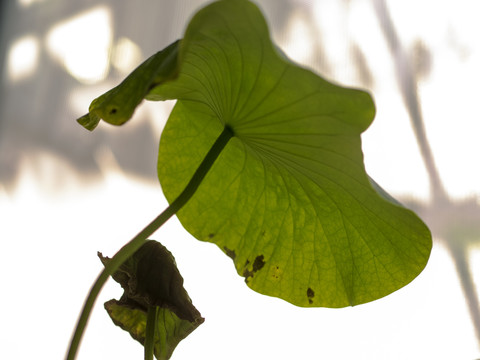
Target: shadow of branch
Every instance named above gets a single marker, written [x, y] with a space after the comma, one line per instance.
[455, 222]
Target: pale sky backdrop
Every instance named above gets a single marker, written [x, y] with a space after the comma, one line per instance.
[66, 193]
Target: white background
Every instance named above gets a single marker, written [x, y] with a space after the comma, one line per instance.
[66, 194]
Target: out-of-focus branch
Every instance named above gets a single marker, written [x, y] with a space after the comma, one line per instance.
[456, 222]
[408, 89]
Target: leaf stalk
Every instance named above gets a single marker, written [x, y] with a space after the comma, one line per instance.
[150, 332]
[133, 245]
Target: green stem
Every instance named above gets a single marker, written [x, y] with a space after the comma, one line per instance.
[150, 332]
[129, 249]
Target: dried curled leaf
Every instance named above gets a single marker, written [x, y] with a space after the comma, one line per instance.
[151, 278]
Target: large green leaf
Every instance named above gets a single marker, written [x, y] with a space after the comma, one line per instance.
[288, 199]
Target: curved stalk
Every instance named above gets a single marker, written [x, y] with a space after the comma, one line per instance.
[129, 249]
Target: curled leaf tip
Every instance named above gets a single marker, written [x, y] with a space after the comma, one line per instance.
[89, 121]
[117, 105]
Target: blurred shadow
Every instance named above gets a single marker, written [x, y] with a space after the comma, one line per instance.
[455, 222]
[36, 115]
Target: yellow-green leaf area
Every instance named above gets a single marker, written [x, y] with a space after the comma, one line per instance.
[169, 328]
[288, 199]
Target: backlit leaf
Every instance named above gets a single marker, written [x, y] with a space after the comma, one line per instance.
[170, 329]
[289, 199]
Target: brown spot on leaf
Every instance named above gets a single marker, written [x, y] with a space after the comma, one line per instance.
[211, 235]
[276, 272]
[310, 295]
[230, 253]
[258, 263]
[247, 274]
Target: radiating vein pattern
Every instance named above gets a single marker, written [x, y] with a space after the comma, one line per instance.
[288, 199]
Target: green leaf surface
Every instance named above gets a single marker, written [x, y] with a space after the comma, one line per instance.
[151, 278]
[288, 199]
[169, 331]
[117, 105]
